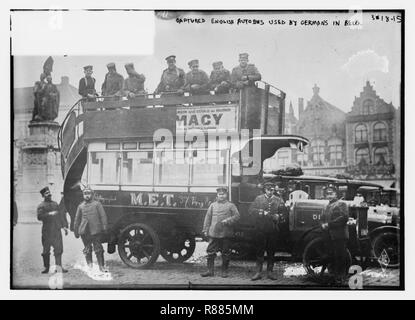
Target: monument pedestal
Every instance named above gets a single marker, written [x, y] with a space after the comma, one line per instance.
[41, 167]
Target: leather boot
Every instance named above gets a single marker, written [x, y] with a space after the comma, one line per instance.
[270, 267]
[258, 275]
[88, 258]
[101, 261]
[225, 267]
[46, 262]
[58, 262]
[210, 266]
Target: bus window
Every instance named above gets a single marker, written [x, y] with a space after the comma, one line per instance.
[137, 168]
[171, 168]
[319, 192]
[103, 167]
[209, 167]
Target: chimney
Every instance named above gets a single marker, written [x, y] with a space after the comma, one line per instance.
[65, 81]
[300, 107]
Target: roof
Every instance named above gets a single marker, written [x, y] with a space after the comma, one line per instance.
[23, 97]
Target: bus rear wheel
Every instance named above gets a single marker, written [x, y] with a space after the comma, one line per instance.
[178, 250]
[386, 249]
[138, 246]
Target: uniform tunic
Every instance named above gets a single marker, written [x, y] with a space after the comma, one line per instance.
[171, 80]
[113, 84]
[90, 216]
[337, 214]
[216, 79]
[86, 86]
[134, 84]
[197, 77]
[217, 213]
[238, 72]
[51, 226]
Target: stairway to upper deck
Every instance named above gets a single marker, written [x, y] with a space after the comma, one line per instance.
[261, 107]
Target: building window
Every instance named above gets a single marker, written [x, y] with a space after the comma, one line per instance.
[362, 156]
[379, 132]
[318, 150]
[302, 157]
[380, 156]
[283, 157]
[335, 152]
[361, 133]
[367, 107]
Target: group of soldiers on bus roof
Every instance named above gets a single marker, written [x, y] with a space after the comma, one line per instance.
[173, 80]
[221, 216]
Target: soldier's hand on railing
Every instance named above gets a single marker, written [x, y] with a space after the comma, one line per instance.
[324, 226]
[52, 213]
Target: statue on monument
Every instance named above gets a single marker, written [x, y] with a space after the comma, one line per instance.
[46, 95]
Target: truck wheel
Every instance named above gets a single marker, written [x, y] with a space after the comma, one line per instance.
[178, 250]
[317, 257]
[138, 246]
[386, 249]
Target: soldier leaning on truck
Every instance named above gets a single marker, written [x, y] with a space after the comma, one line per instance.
[265, 210]
[196, 80]
[172, 79]
[337, 216]
[245, 74]
[53, 220]
[219, 219]
[220, 78]
[90, 224]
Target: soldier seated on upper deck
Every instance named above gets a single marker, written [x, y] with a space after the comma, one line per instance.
[134, 84]
[172, 79]
[220, 78]
[113, 83]
[196, 81]
[245, 74]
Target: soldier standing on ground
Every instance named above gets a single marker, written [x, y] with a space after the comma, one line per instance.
[86, 87]
[53, 220]
[113, 83]
[134, 84]
[218, 226]
[220, 78]
[90, 224]
[337, 215]
[265, 210]
[196, 81]
[245, 74]
[172, 79]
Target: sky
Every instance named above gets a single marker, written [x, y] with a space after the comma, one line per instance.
[339, 59]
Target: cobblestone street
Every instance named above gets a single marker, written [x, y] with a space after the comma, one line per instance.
[27, 264]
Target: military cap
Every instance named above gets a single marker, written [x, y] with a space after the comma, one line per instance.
[88, 67]
[243, 56]
[269, 185]
[217, 64]
[111, 65]
[222, 189]
[87, 188]
[129, 65]
[44, 190]
[191, 63]
[171, 58]
[330, 187]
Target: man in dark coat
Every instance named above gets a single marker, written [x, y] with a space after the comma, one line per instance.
[218, 227]
[112, 86]
[220, 78]
[245, 74]
[90, 224]
[86, 87]
[265, 211]
[134, 84]
[172, 79]
[53, 220]
[337, 215]
[196, 81]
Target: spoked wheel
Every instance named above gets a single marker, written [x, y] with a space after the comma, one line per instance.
[178, 250]
[386, 249]
[318, 260]
[138, 246]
